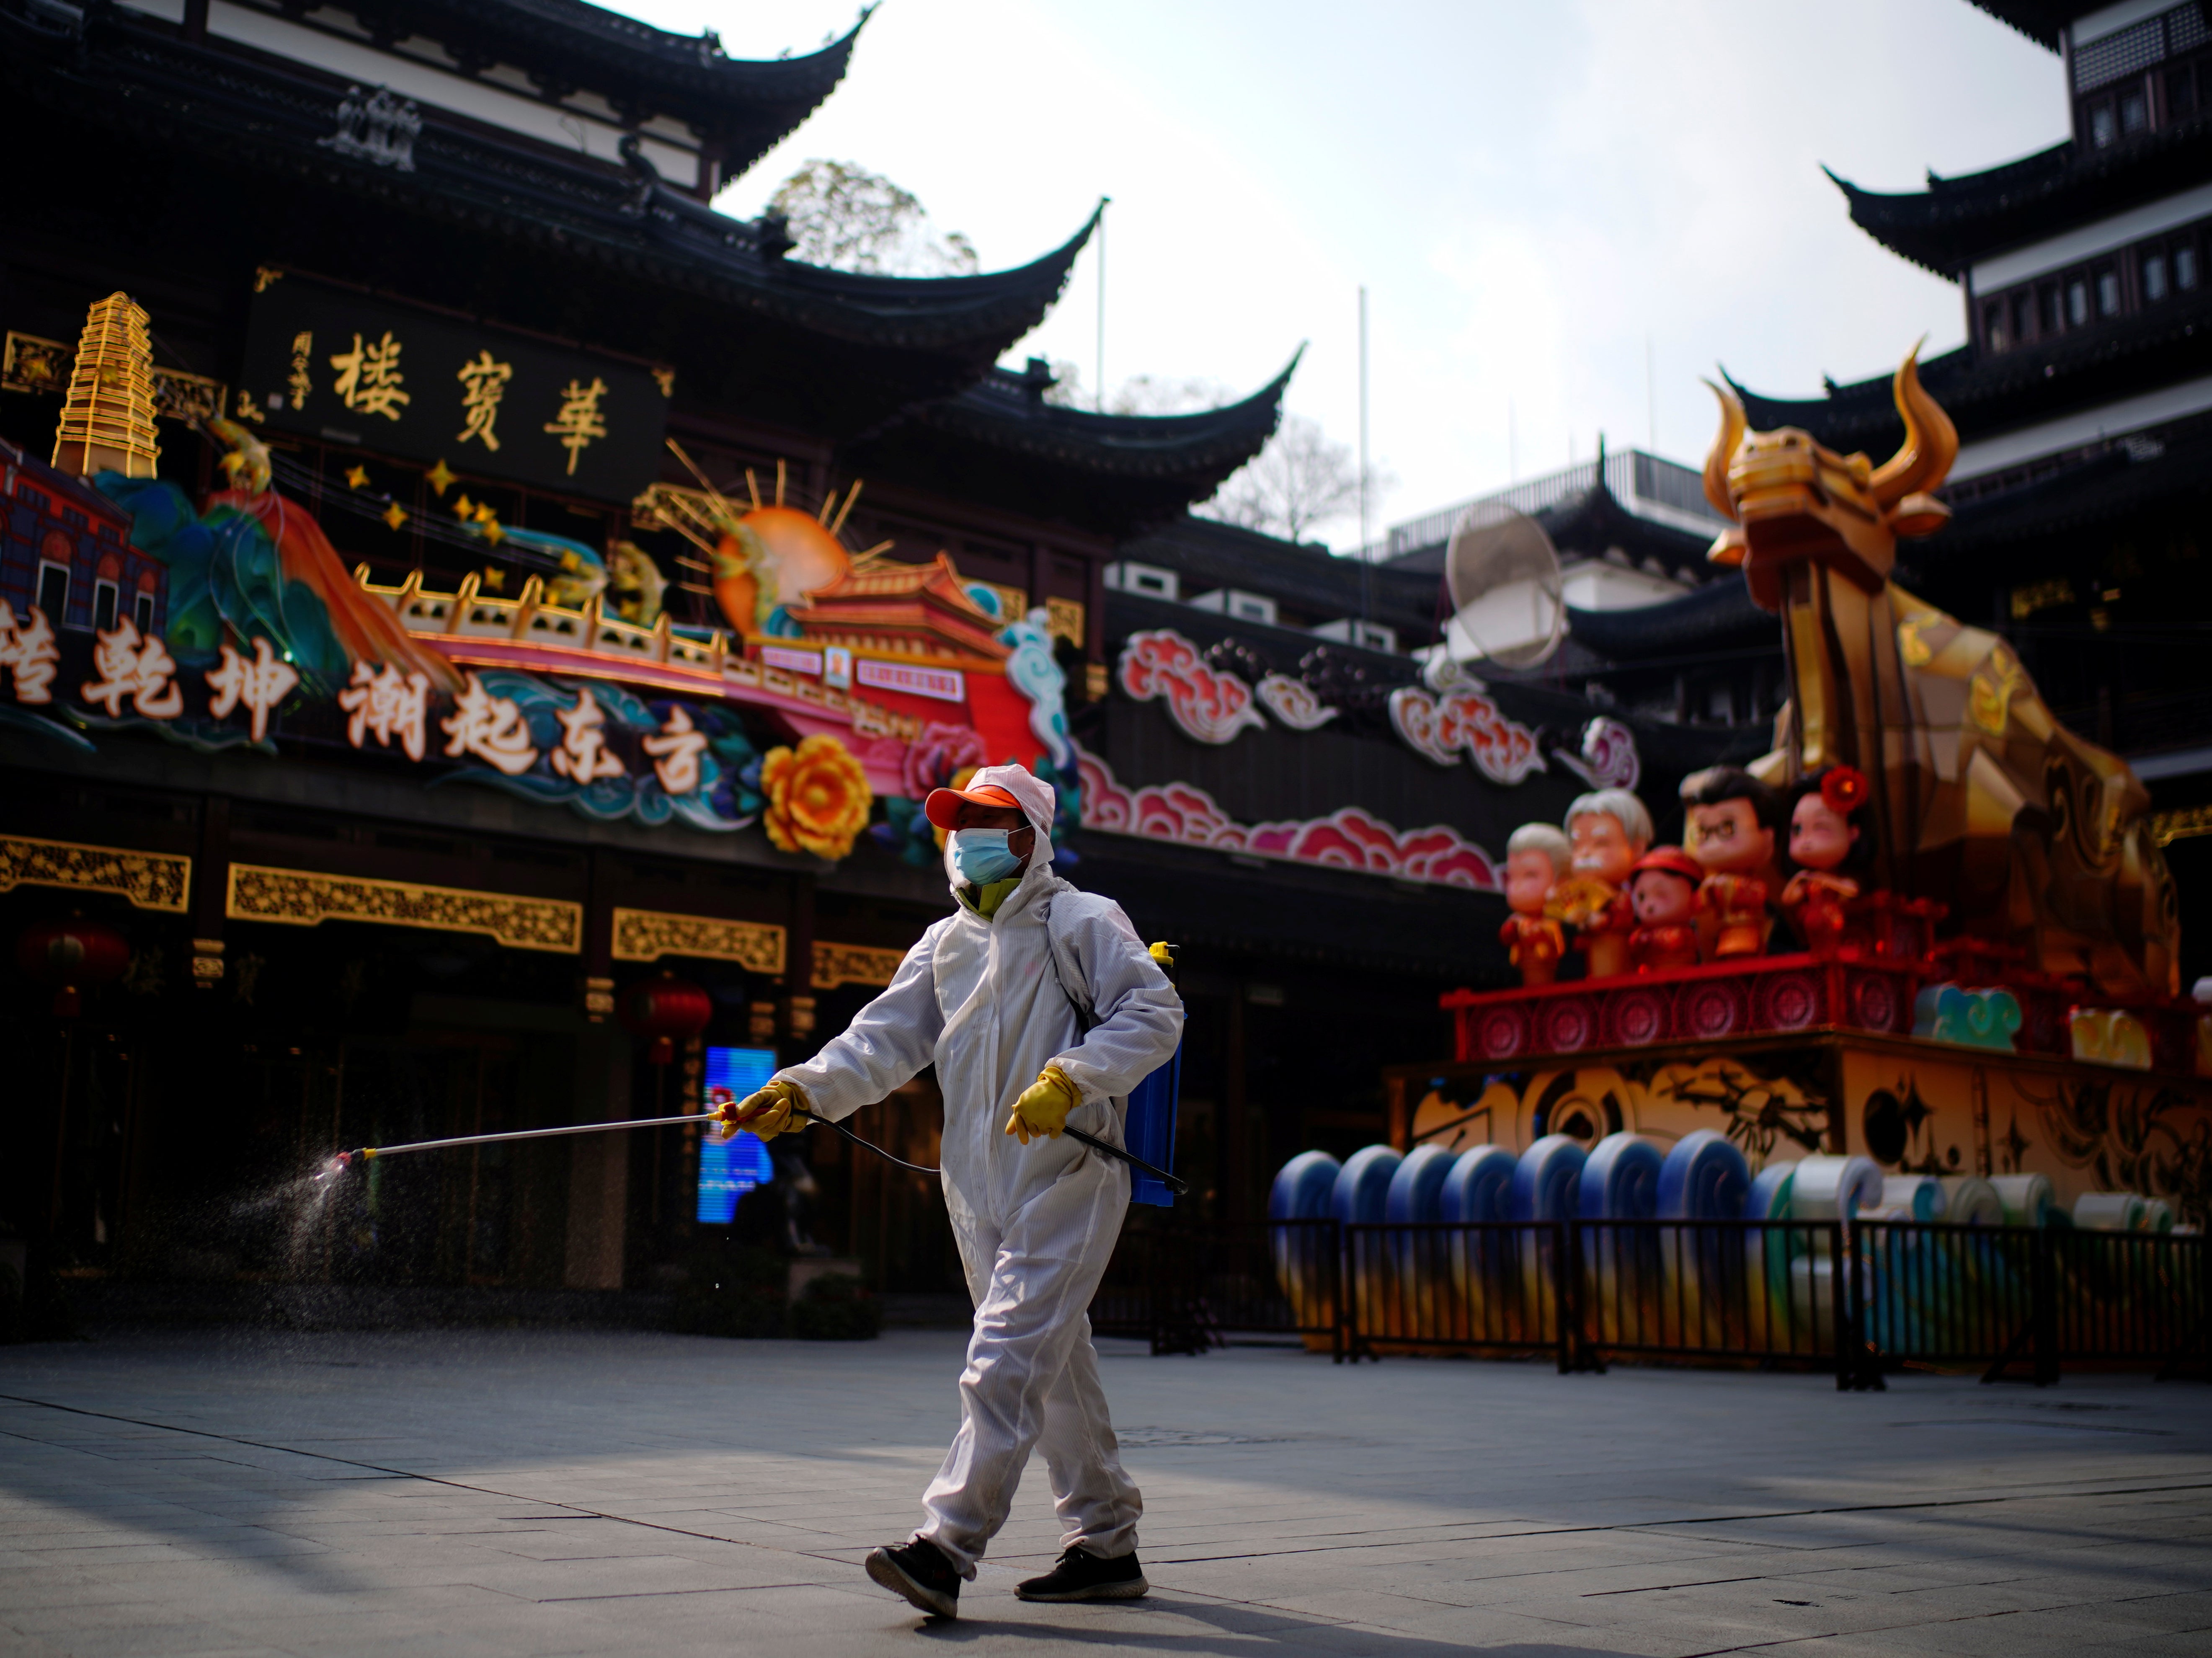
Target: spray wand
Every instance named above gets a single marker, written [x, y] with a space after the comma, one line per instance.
[344, 1161]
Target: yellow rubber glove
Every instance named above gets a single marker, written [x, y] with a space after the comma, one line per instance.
[767, 1114]
[1041, 1111]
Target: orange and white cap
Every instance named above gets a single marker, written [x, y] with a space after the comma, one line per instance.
[942, 806]
[997, 788]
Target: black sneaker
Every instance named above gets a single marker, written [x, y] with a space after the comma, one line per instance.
[1081, 1576]
[920, 1571]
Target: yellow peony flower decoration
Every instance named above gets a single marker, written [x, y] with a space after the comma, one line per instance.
[818, 798]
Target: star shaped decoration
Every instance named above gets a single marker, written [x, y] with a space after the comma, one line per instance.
[493, 534]
[463, 509]
[395, 515]
[495, 579]
[357, 478]
[440, 478]
[484, 513]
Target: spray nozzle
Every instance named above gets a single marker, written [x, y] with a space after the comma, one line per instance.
[336, 1166]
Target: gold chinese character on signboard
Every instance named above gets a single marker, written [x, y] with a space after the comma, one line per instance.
[485, 383]
[579, 421]
[301, 385]
[369, 377]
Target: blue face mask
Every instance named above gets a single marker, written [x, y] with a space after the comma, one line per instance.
[982, 855]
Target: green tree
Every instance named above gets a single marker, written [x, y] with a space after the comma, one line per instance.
[847, 218]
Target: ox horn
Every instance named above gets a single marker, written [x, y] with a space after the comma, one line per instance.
[1931, 442]
[1723, 450]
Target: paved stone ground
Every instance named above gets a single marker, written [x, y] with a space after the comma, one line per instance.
[528, 1493]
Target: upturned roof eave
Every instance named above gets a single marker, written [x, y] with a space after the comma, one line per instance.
[684, 75]
[1956, 221]
[1000, 413]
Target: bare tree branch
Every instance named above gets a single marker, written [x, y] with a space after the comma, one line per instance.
[1298, 482]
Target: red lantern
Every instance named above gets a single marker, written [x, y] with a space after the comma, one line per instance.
[668, 1010]
[74, 955]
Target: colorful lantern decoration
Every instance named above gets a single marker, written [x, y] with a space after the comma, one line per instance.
[73, 955]
[666, 1010]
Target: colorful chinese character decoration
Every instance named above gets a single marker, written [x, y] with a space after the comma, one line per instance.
[142, 669]
[29, 653]
[582, 757]
[259, 684]
[390, 705]
[675, 749]
[489, 727]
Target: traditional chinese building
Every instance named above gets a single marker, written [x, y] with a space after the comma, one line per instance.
[1649, 631]
[549, 595]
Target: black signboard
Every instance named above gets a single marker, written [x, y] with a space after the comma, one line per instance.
[352, 369]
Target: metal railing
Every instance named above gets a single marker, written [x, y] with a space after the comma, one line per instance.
[1856, 1300]
[1189, 1287]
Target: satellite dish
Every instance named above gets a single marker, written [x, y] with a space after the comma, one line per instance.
[1503, 574]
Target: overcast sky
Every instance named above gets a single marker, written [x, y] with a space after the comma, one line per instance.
[1529, 193]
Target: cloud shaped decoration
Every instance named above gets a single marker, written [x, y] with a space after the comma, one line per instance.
[1971, 1019]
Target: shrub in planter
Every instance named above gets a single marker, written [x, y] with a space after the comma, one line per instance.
[732, 1290]
[837, 1307]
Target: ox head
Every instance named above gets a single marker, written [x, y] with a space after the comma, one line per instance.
[1794, 501]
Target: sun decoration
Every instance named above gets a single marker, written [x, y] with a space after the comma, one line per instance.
[762, 557]
[1843, 790]
[818, 798]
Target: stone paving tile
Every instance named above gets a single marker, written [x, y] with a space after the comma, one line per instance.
[1504, 1507]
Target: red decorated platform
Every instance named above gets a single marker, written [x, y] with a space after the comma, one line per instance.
[1762, 995]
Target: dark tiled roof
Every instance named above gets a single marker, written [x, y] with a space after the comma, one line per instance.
[747, 106]
[1589, 522]
[1718, 616]
[1210, 554]
[2102, 489]
[2038, 20]
[1989, 392]
[1955, 222]
[999, 441]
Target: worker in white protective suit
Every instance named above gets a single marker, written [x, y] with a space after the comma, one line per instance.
[989, 996]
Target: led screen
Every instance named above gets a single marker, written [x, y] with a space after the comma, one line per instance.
[728, 1172]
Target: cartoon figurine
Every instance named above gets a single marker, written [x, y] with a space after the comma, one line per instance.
[1609, 830]
[1536, 858]
[1823, 842]
[1732, 820]
[1664, 887]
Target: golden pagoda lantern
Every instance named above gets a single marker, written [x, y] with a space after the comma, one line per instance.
[107, 417]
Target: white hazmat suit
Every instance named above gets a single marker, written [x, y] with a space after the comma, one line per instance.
[980, 998]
